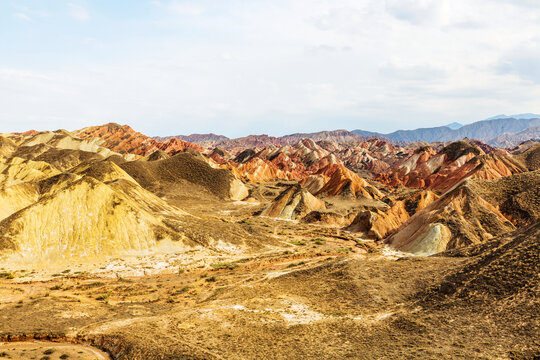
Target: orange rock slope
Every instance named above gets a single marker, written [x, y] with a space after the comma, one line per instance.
[123, 139]
[442, 170]
[380, 224]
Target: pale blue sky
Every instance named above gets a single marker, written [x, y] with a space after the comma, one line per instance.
[268, 66]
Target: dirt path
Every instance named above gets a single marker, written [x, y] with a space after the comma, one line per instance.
[50, 350]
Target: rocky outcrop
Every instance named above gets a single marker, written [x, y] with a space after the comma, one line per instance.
[343, 182]
[472, 213]
[443, 170]
[293, 203]
[379, 224]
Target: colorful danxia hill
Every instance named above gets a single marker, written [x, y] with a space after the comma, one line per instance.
[324, 245]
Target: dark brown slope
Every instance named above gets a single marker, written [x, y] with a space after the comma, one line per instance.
[62, 159]
[505, 268]
[531, 157]
[158, 175]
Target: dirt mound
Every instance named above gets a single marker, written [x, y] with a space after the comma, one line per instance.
[157, 155]
[507, 271]
[293, 203]
[531, 157]
[517, 196]
[184, 166]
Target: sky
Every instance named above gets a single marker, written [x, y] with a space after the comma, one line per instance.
[238, 67]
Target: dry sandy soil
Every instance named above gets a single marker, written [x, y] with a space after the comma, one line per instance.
[312, 292]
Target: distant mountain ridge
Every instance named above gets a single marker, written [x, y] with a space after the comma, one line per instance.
[516, 116]
[484, 130]
[212, 140]
[454, 125]
[500, 130]
[201, 139]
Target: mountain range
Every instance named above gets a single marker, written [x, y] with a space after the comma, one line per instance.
[310, 246]
[500, 131]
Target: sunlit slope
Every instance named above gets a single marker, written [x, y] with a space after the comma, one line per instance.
[84, 217]
[473, 212]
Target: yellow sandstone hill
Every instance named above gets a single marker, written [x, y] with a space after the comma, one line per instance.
[81, 217]
[61, 199]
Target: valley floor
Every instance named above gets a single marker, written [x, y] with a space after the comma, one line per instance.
[321, 298]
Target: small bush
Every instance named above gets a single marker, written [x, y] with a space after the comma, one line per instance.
[7, 275]
[297, 243]
[211, 279]
[296, 264]
[180, 291]
[229, 266]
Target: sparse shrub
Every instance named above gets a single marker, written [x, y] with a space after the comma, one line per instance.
[219, 266]
[211, 279]
[296, 264]
[56, 287]
[180, 291]
[102, 297]
[48, 351]
[344, 250]
[7, 275]
[64, 356]
[297, 243]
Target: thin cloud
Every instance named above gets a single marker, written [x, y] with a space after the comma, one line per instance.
[242, 67]
[180, 7]
[78, 12]
[415, 11]
[22, 16]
